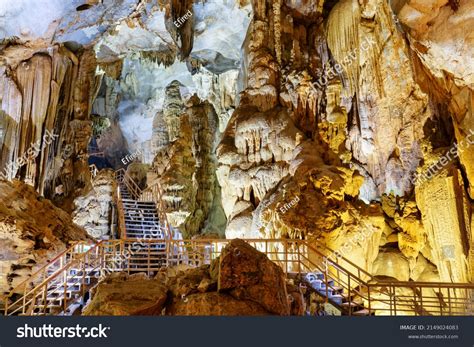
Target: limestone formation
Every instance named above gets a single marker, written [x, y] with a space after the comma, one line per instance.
[94, 211]
[32, 231]
[249, 275]
[215, 304]
[347, 124]
[185, 164]
[122, 295]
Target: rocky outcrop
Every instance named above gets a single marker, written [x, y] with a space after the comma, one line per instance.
[242, 282]
[249, 275]
[32, 231]
[123, 295]
[349, 122]
[44, 142]
[215, 304]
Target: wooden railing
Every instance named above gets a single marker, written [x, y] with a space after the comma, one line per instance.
[132, 187]
[295, 257]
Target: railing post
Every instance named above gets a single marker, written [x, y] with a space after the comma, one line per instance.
[65, 290]
[24, 300]
[83, 281]
[349, 293]
[45, 293]
[369, 299]
[449, 301]
[148, 258]
[45, 298]
[390, 299]
[394, 299]
[299, 257]
[326, 280]
[421, 298]
[7, 302]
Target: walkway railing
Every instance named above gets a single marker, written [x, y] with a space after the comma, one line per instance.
[295, 257]
[54, 279]
[149, 194]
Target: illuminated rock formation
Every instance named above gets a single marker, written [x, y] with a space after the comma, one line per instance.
[93, 211]
[138, 296]
[344, 123]
[32, 231]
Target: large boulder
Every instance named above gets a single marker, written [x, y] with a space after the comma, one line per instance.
[241, 282]
[123, 295]
[247, 274]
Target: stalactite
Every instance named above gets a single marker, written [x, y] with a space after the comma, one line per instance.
[343, 38]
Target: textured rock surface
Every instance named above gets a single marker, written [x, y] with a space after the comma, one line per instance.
[266, 118]
[32, 231]
[215, 304]
[122, 295]
[93, 211]
[46, 94]
[185, 164]
[243, 282]
[249, 275]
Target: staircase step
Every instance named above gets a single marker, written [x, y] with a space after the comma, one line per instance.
[145, 218]
[149, 203]
[314, 275]
[137, 210]
[149, 229]
[336, 298]
[148, 224]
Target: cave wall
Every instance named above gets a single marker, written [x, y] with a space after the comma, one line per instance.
[46, 102]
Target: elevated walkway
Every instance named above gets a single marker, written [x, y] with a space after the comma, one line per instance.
[64, 283]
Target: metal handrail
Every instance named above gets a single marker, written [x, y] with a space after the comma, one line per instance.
[41, 270]
[76, 257]
[295, 256]
[149, 194]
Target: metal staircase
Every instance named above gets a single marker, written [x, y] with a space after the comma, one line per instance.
[64, 282]
[141, 212]
[141, 218]
[59, 285]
